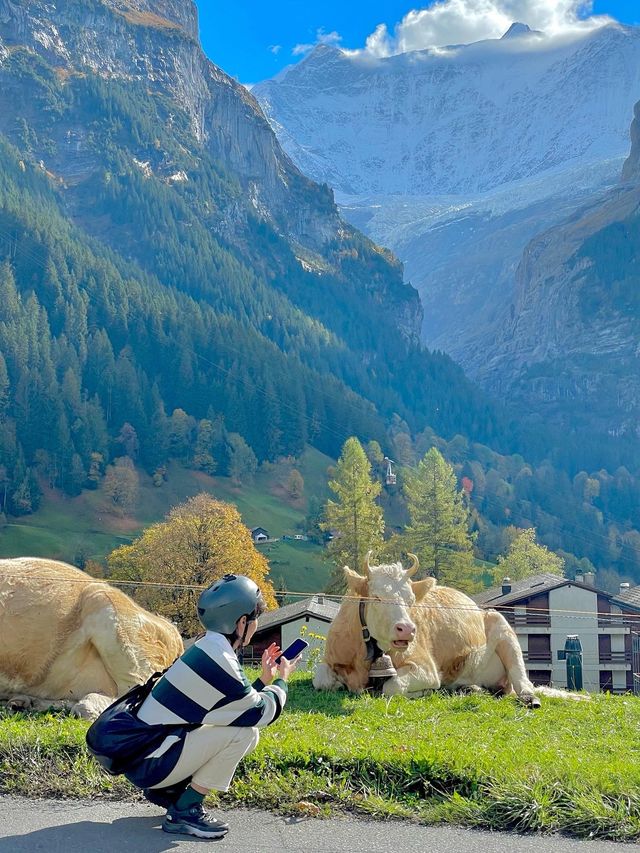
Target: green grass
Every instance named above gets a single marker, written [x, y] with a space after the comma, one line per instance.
[86, 526]
[473, 760]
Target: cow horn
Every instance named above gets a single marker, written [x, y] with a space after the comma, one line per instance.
[367, 563]
[413, 568]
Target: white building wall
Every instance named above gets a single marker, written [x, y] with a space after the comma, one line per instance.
[575, 611]
[314, 632]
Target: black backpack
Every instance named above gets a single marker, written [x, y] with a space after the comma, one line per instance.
[118, 739]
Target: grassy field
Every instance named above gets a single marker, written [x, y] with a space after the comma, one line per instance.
[570, 767]
[86, 527]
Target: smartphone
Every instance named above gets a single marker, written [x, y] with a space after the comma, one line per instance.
[293, 650]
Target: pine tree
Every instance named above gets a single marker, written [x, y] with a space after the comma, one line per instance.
[354, 518]
[439, 528]
[242, 460]
[4, 388]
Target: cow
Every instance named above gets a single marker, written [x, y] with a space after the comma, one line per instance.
[436, 637]
[69, 641]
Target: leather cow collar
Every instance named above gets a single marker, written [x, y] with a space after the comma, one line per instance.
[373, 650]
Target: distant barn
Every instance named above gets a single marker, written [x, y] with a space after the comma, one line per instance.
[259, 534]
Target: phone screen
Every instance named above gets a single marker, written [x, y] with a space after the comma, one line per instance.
[293, 650]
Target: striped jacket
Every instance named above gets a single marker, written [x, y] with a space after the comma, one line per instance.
[206, 685]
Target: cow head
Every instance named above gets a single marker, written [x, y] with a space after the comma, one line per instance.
[389, 593]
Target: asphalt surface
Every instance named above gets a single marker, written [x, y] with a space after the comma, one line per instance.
[28, 826]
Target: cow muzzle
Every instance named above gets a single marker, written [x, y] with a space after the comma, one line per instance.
[404, 633]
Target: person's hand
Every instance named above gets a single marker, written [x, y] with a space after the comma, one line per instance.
[269, 667]
[286, 667]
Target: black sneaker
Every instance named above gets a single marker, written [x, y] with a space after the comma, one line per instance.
[193, 821]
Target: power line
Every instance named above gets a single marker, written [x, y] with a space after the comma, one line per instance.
[462, 608]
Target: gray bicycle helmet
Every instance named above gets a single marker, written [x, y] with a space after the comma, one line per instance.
[226, 601]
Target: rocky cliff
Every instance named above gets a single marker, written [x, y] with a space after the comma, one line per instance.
[155, 42]
[569, 346]
[631, 168]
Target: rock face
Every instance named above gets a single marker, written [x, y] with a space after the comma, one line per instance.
[631, 169]
[156, 41]
[455, 158]
[569, 346]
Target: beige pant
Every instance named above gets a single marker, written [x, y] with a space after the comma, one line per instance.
[211, 754]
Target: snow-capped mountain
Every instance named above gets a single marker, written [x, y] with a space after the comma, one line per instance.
[456, 157]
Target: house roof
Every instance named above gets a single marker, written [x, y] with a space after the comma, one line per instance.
[317, 606]
[630, 598]
[528, 587]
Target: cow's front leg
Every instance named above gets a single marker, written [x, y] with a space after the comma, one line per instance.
[22, 702]
[91, 706]
[326, 679]
[413, 681]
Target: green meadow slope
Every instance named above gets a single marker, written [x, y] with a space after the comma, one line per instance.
[87, 527]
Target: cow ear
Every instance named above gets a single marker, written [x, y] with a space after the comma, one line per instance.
[422, 588]
[356, 583]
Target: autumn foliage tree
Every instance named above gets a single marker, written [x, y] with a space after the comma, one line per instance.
[199, 541]
[526, 557]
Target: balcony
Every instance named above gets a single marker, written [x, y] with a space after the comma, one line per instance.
[537, 656]
[615, 657]
[524, 620]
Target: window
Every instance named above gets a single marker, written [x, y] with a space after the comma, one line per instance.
[604, 648]
[540, 676]
[539, 648]
[606, 680]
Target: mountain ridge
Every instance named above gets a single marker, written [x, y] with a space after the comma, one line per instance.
[458, 158]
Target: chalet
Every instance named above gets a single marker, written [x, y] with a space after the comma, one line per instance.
[259, 534]
[544, 609]
[306, 618]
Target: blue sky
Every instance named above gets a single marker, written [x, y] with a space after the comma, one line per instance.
[253, 39]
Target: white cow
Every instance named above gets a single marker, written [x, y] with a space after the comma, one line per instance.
[435, 636]
[70, 641]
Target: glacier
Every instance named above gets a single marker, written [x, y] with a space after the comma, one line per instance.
[455, 157]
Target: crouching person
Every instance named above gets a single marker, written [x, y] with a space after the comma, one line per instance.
[206, 691]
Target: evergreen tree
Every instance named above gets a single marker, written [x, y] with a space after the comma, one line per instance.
[438, 532]
[242, 460]
[202, 456]
[354, 518]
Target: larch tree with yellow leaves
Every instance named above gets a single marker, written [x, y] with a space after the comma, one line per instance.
[200, 541]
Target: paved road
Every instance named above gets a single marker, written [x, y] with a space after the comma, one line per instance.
[29, 826]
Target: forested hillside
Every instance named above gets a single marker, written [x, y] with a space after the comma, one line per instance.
[172, 287]
[139, 277]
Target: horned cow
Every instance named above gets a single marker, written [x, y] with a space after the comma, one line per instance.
[436, 637]
[70, 641]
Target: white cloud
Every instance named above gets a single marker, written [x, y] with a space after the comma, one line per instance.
[321, 38]
[464, 21]
[275, 49]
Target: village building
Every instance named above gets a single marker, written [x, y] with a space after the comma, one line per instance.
[259, 534]
[545, 609]
[309, 618]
